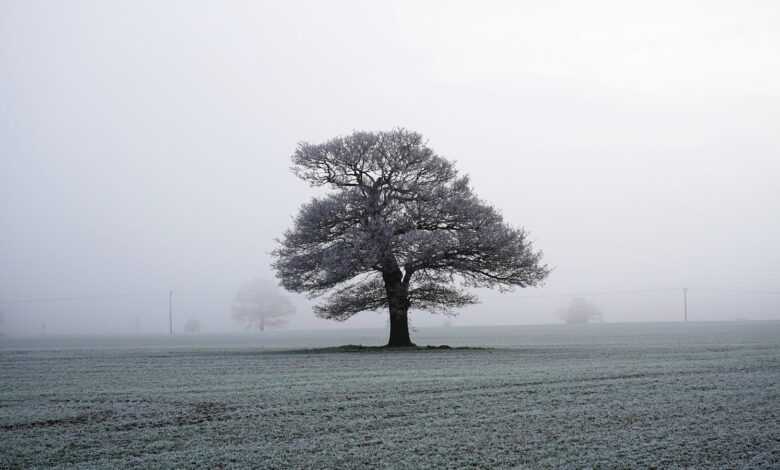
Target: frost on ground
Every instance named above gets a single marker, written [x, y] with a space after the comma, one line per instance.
[621, 399]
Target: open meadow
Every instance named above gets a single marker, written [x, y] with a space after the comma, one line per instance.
[603, 395]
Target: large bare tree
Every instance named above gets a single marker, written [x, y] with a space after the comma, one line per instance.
[401, 229]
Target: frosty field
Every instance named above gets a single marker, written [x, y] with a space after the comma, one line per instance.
[608, 395]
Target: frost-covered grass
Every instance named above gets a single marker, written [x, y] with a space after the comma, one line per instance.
[702, 395]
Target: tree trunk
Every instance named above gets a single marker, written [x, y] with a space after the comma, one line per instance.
[398, 301]
[399, 330]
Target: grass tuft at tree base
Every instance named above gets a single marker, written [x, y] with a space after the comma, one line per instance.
[357, 348]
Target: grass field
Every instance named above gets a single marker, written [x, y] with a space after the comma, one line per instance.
[609, 395]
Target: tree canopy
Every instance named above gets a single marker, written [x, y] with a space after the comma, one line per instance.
[258, 304]
[400, 229]
[580, 311]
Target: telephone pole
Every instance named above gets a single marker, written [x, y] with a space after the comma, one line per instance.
[170, 311]
[685, 303]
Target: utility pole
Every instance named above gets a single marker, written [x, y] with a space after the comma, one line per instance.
[170, 310]
[685, 303]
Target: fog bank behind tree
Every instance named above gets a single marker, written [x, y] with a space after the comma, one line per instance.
[144, 147]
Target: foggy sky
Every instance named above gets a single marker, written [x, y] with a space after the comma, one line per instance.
[144, 146]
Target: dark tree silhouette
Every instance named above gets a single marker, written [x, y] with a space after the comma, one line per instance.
[400, 230]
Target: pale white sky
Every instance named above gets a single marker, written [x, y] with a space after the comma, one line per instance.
[144, 146]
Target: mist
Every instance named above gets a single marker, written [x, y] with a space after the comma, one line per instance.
[145, 148]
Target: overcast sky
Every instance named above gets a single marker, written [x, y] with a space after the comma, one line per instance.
[144, 146]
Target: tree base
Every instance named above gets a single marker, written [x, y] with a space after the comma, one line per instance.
[399, 330]
[357, 348]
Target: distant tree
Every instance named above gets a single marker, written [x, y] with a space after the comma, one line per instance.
[400, 230]
[192, 326]
[580, 311]
[258, 304]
